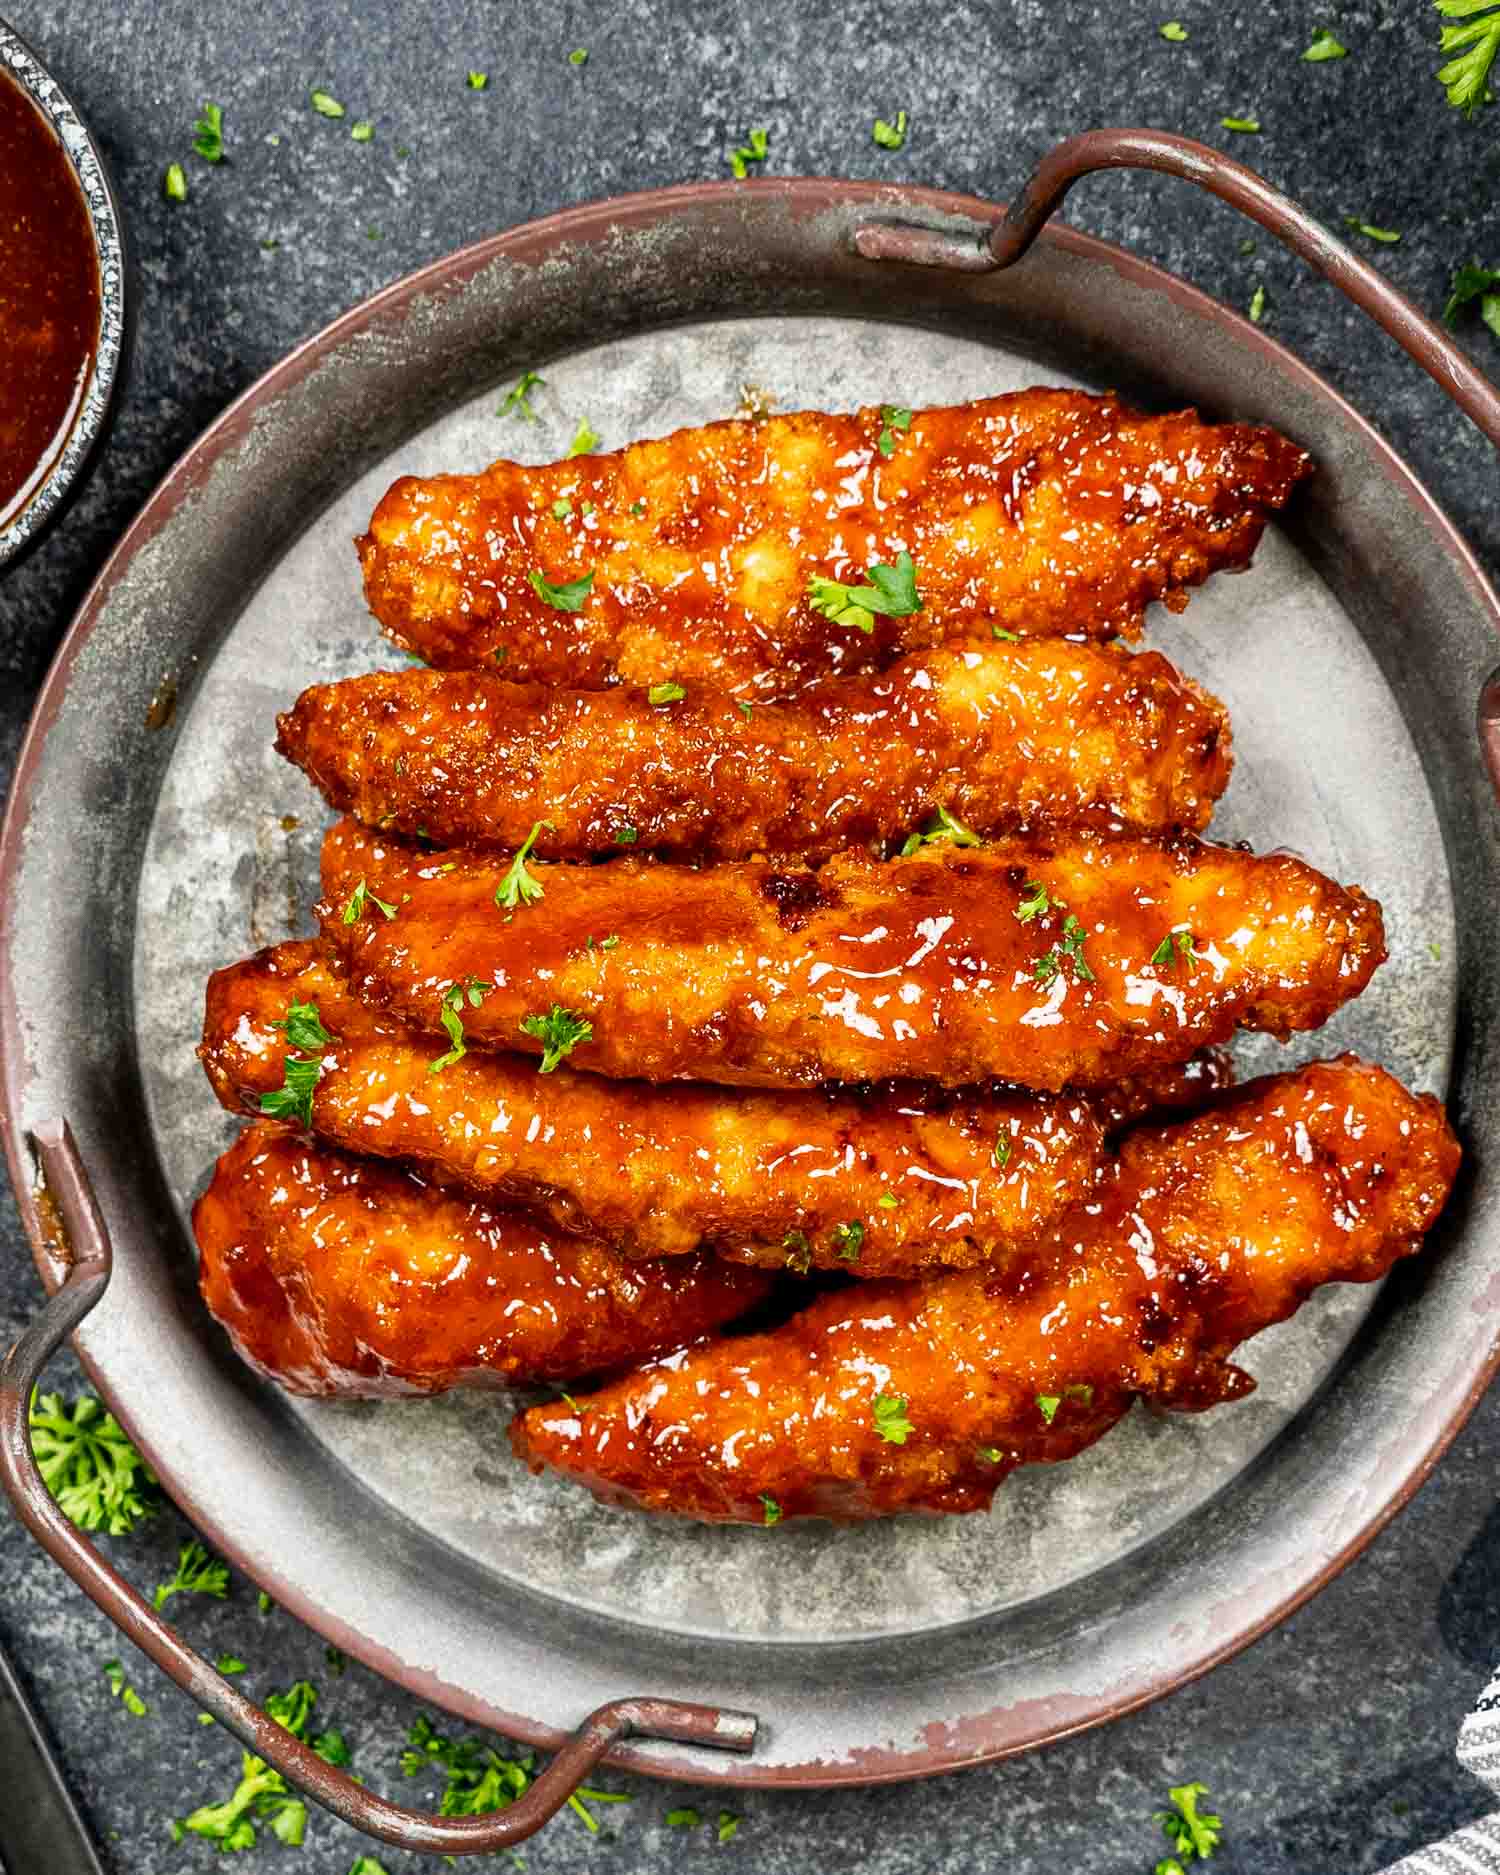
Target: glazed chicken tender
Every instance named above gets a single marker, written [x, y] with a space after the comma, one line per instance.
[923, 1396]
[885, 1183]
[1034, 734]
[1049, 963]
[337, 1276]
[1044, 512]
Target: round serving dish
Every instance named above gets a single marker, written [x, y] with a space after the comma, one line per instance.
[133, 858]
[24, 526]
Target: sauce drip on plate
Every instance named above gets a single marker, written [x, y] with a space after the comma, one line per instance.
[49, 297]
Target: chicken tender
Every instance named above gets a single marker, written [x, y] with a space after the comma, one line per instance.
[692, 558]
[923, 1396]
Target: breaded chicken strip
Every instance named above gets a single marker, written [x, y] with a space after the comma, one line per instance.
[1044, 733]
[1050, 963]
[888, 1182]
[923, 1396]
[692, 558]
[334, 1275]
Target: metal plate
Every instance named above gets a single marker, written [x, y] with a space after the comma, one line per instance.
[1350, 658]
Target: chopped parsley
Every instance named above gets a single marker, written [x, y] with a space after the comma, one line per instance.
[198, 1573]
[747, 710]
[888, 1201]
[1247, 126]
[660, 694]
[1324, 47]
[1001, 1154]
[1389, 235]
[627, 836]
[562, 509]
[477, 1780]
[517, 401]
[1193, 1834]
[559, 1031]
[891, 1421]
[1466, 77]
[579, 56]
[990, 1454]
[1005, 637]
[174, 183]
[519, 887]
[567, 597]
[367, 1865]
[772, 1515]
[1472, 283]
[231, 1664]
[1068, 949]
[753, 150]
[1081, 1391]
[363, 131]
[1176, 947]
[638, 509]
[325, 104]
[263, 1795]
[729, 1826]
[944, 829]
[293, 1099]
[893, 417]
[603, 944]
[584, 439]
[686, 1818]
[892, 591]
[208, 134]
[99, 1479]
[128, 1697]
[1047, 1405]
[798, 1251]
[360, 897]
[1035, 901]
[890, 137]
[304, 1026]
[476, 81]
[264, 1603]
[1257, 305]
[450, 1014]
[848, 1239]
[1173, 30]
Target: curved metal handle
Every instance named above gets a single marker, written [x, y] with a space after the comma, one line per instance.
[1232, 182]
[87, 1275]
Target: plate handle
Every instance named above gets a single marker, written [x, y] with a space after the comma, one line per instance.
[87, 1266]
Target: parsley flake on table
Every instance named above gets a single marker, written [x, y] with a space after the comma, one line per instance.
[1068, 949]
[890, 136]
[1257, 305]
[1324, 47]
[325, 104]
[892, 591]
[1388, 235]
[685, 1818]
[476, 81]
[584, 439]
[174, 183]
[230, 1664]
[579, 56]
[1173, 30]
[1466, 77]
[660, 694]
[367, 1865]
[1247, 126]
[262, 1795]
[893, 417]
[729, 1826]
[1176, 947]
[565, 597]
[293, 1099]
[944, 829]
[753, 150]
[359, 898]
[519, 887]
[304, 1026]
[1047, 1405]
[848, 1239]
[208, 134]
[363, 131]
[518, 398]
[1190, 1832]
[1471, 283]
[891, 1421]
[99, 1479]
[197, 1573]
[477, 1780]
[128, 1697]
[450, 1014]
[559, 1031]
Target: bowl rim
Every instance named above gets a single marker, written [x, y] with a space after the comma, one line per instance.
[25, 67]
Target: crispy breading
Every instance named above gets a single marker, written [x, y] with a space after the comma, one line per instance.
[1208, 1232]
[887, 1182]
[1049, 963]
[336, 1275]
[1045, 512]
[1003, 736]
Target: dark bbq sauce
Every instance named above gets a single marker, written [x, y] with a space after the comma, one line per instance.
[49, 296]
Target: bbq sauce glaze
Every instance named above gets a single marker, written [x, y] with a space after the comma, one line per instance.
[49, 297]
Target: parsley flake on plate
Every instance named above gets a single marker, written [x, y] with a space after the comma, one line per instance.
[197, 1573]
[892, 591]
[1001, 1154]
[1466, 77]
[325, 104]
[888, 1201]
[891, 1421]
[565, 597]
[99, 1479]
[174, 183]
[893, 417]
[1324, 47]
[1036, 902]
[627, 836]
[660, 694]
[944, 829]
[1005, 637]
[890, 136]
[1047, 1405]
[293, 1099]
[559, 1031]
[359, 898]
[208, 134]
[1068, 949]
[753, 150]
[798, 1251]
[1176, 947]
[518, 398]
[848, 1239]
[584, 439]
[519, 887]
[304, 1026]
[450, 1014]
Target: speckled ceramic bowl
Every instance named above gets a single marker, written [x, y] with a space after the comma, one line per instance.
[22, 529]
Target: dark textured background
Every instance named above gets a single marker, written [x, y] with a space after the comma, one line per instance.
[1328, 1747]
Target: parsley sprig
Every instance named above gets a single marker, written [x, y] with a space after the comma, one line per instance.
[450, 1014]
[359, 898]
[893, 418]
[520, 887]
[1475, 283]
[263, 1795]
[1067, 949]
[1477, 45]
[478, 1780]
[99, 1479]
[197, 1573]
[892, 591]
[293, 1099]
[891, 1421]
[568, 596]
[303, 1023]
[1176, 947]
[1193, 1834]
[559, 1031]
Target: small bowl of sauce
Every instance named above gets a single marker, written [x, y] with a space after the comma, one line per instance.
[62, 297]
